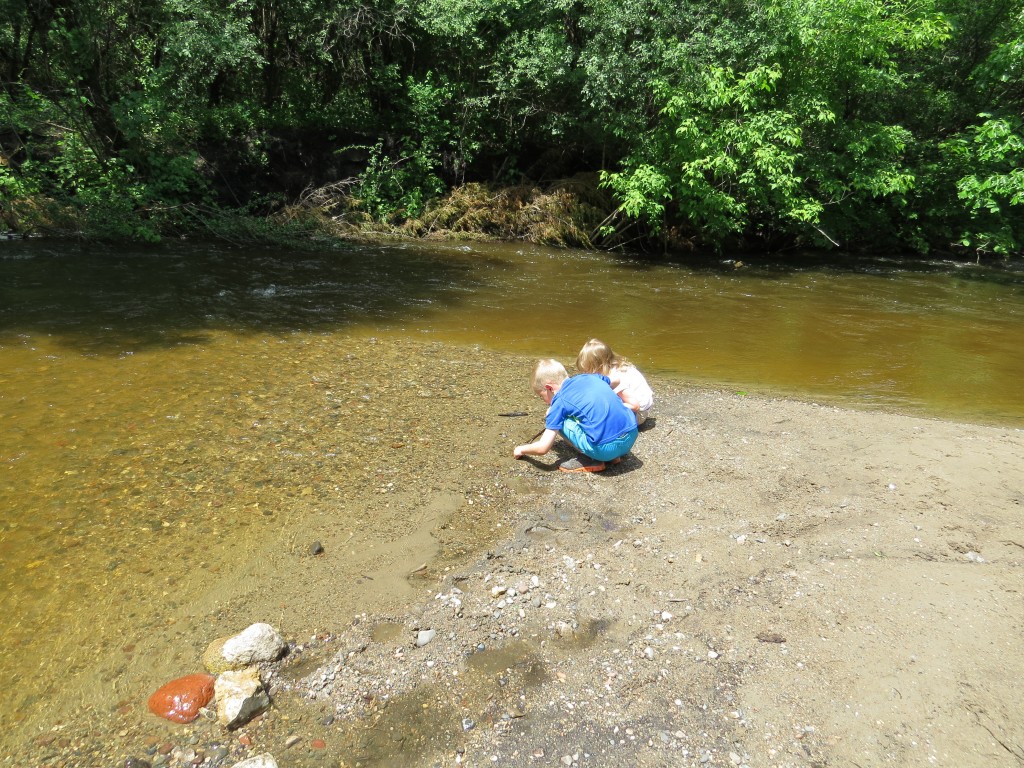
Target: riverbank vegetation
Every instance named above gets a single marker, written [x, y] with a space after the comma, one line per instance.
[656, 124]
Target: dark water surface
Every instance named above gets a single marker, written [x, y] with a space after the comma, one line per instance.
[138, 388]
[931, 338]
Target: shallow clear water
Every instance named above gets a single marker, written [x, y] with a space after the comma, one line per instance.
[156, 417]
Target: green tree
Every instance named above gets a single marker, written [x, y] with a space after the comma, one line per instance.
[803, 145]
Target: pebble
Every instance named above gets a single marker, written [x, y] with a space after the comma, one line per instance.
[219, 753]
[424, 636]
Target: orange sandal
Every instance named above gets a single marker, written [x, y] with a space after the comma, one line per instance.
[582, 464]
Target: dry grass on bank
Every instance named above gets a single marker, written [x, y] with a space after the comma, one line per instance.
[566, 213]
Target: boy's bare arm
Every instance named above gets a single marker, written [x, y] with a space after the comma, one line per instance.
[537, 448]
[632, 404]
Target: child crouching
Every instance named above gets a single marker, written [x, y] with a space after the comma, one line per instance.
[626, 379]
[587, 412]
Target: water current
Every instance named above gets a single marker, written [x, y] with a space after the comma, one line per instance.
[162, 408]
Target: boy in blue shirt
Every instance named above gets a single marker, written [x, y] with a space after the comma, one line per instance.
[588, 413]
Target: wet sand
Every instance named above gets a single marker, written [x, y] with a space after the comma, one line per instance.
[763, 582]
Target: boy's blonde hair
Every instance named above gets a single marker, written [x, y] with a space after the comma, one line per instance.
[598, 357]
[547, 371]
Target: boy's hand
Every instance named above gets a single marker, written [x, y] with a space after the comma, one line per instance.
[537, 447]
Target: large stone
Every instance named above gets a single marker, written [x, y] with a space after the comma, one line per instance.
[240, 697]
[181, 699]
[256, 643]
[259, 761]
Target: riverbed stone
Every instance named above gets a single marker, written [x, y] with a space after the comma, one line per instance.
[180, 700]
[257, 643]
[240, 697]
[258, 761]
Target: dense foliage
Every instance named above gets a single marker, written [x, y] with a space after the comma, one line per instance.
[766, 123]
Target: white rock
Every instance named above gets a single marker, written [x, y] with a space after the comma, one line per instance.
[259, 642]
[240, 696]
[259, 761]
[424, 636]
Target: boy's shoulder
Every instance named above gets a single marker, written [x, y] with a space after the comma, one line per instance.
[588, 378]
[588, 384]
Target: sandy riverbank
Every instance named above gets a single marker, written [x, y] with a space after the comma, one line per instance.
[764, 582]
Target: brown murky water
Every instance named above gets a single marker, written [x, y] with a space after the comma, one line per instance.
[178, 424]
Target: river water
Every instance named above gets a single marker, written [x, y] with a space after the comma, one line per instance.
[154, 399]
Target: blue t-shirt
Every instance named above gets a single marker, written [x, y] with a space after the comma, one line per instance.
[588, 398]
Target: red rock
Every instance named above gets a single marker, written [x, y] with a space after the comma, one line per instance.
[245, 739]
[180, 700]
[318, 744]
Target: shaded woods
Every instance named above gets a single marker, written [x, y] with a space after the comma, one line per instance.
[661, 124]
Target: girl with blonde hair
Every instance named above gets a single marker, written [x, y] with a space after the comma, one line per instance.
[627, 381]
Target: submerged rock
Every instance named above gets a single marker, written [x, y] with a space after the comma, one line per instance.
[213, 657]
[180, 700]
